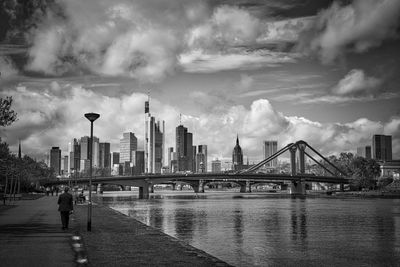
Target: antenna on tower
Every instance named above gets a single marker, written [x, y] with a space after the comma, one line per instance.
[180, 118]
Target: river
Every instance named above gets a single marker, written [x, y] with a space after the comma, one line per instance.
[260, 229]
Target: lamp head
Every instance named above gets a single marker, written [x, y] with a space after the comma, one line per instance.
[92, 116]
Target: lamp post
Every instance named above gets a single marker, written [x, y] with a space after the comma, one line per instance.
[91, 117]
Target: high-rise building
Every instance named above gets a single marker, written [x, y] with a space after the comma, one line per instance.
[364, 151]
[85, 150]
[270, 148]
[55, 159]
[96, 152]
[174, 162]
[202, 149]
[184, 149]
[127, 144]
[200, 163]
[138, 162]
[154, 142]
[65, 165]
[114, 158]
[237, 156]
[84, 165]
[189, 151]
[216, 166]
[85, 147]
[104, 155]
[169, 156]
[194, 162]
[74, 153]
[382, 147]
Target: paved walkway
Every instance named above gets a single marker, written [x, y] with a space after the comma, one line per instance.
[31, 235]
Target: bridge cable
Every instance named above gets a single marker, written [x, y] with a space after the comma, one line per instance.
[319, 163]
[339, 170]
[258, 165]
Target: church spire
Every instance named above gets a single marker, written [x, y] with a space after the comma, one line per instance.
[237, 139]
[19, 150]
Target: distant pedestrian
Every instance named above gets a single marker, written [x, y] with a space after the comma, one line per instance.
[57, 190]
[47, 191]
[65, 207]
[52, 190]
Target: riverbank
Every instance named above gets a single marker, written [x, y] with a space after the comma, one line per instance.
[118, 240]
[32, 236]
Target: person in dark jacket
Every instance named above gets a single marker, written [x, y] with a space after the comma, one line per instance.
[65, 207]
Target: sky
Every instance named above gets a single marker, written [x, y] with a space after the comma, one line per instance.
[326, 72]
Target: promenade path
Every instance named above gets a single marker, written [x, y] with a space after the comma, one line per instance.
[31, 235]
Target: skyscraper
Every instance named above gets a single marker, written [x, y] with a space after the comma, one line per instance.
[138, 162]
[96, 152]
[104, 156]
[65, 165]
[55, 159]
[74, 153]
[85, 147]
[382, 147]
[114, 158]
[202, 149]
[270, 148]
[154, 142]
[127, 144]
[184, 148]
[169, 157]
[237, 156]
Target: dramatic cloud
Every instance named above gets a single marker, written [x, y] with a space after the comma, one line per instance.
[197, 61]
[131, 38]
[356, 82]
[119, 38]
[53, 114]
[359, 26]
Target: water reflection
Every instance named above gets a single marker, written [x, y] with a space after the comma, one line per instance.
[257, 230]
[238, 226]
[299, 221]
[184, 224]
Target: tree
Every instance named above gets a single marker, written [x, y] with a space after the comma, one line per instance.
[7, 115]
[364, 172]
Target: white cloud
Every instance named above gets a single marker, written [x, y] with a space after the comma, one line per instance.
[131, 38]
[48, 118]
[356, 82]
[359, 26]
[198, 61]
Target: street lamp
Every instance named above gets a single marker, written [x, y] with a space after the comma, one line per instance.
[91, 117]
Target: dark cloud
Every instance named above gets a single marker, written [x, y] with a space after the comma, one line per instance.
[356, 27]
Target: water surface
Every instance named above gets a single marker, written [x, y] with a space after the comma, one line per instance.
[261, 229]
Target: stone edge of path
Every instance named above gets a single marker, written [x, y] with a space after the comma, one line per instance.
[105, 233]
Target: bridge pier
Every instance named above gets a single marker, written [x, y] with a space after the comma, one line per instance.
[198, 187]
[173, 186]
[248, 186]
[99, 189]
[245, 187]
[144, 192]
[297, 188]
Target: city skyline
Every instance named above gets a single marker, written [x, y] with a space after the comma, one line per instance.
[265, 70]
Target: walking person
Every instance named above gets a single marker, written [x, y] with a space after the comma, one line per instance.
[65, 207]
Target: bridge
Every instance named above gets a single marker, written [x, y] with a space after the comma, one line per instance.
[245, 178]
